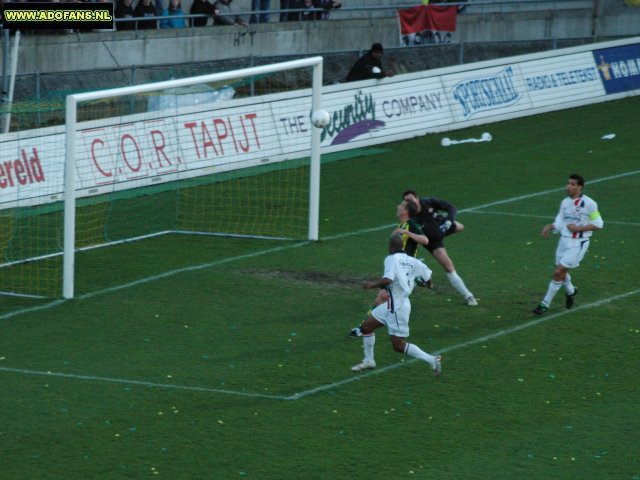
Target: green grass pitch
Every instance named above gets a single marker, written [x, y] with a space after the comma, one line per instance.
[200, 358]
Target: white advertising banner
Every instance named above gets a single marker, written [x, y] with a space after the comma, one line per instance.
[156, 147]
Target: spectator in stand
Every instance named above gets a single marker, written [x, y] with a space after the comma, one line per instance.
[369, 66]
[291, 5]
[227, 15]
[260, 6]
[202, 7]
[145, 8]
[326, 5]
[124, 9]
[174, 9]
[159, 8]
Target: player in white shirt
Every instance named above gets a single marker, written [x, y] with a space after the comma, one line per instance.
[576, 221]
[400, 272]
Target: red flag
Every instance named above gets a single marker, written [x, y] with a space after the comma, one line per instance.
[427, 17]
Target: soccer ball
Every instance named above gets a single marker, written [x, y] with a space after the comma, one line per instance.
[320, 118]
[376, 70]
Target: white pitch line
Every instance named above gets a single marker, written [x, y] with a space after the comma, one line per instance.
[545, 192]
[45, 306]
[125, 381]
[529, 215]
[255, 254]
[330, 386]
[475, 341]
[216, 263]
[193, 268]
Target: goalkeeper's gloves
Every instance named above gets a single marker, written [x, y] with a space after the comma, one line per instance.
[444, 227]
[421, 282]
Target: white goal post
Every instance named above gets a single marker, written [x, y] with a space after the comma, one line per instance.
[72, 122]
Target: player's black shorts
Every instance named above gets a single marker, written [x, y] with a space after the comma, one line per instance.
[437, 241]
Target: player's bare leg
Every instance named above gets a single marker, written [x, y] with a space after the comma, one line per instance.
[381, 298]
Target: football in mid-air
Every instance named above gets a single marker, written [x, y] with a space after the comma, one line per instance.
[320, 118]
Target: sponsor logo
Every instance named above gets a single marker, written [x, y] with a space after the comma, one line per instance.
[22, 171]
[412, 104]
[487, 93]
[561, 79]
[353, 120]
[619, 68]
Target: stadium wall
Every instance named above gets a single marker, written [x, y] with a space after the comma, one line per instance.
[497, 23]
[273, 128]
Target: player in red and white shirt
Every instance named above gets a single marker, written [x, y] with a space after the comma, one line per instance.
[576, 221]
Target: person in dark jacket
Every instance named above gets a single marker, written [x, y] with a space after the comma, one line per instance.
[145, 8]
[124, 9]
[202, 7]
[369, 65]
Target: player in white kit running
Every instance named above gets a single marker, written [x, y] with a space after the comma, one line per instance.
[576, 221]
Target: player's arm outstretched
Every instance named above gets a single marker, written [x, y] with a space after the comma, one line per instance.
[419, 238]
[380, 283]
[423, 275]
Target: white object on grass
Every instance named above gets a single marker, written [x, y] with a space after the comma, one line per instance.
[609, 136]
[485, 137]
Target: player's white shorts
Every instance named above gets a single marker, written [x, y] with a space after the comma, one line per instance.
[397, 322]
[571, 251]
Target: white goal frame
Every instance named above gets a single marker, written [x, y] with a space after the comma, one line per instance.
[70, 141]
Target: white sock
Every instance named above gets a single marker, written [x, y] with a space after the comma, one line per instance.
[551, 292]
[568, 286]
[458, 284]
[415, 352]
[368, 342]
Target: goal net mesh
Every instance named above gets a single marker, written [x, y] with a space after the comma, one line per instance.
[202, 159]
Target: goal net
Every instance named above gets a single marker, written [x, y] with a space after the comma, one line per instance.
[226, 154]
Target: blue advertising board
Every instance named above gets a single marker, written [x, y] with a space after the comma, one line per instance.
[619, 68]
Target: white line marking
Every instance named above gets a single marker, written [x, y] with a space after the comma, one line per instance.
[545, 192]
[287, 247]
[475, 341]
[45, 306]
[193, 268]
[528, 215]
[138, 382]
[273, 250]
[321, 388]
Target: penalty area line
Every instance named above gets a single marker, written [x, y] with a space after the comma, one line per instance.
[528, 215]
[124, 381]
[475, 341]
[321, 388]
[267, 251]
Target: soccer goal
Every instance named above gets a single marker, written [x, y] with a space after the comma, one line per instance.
[226, 154]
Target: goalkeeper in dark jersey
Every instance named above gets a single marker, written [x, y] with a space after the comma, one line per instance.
[437, 218]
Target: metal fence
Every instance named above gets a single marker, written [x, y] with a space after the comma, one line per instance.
[374, 11]
[39, 97]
